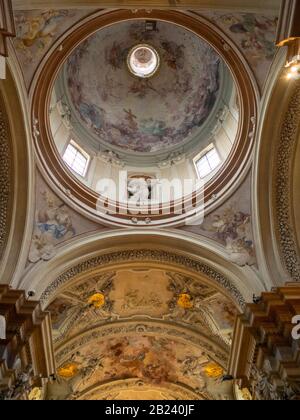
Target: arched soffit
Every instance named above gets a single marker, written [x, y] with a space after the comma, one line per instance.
[179, 354]
[276, 180]
[142, 289]
[122, 248]
[52, 166]
[15, 180]
[155, 328]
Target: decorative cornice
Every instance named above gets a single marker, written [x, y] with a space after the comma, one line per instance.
[144, 255]
[5, 177]
[250, 6]
[285, 153]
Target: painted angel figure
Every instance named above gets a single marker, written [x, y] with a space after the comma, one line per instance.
[53, 223]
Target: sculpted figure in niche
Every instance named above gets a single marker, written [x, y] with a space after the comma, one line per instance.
[138, 191]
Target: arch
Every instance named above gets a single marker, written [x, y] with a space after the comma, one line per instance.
[199, 256]
[275, 179]
[148, 327]
[16, 180]
[180, 391]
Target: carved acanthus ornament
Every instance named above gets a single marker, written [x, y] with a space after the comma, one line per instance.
[264, 388]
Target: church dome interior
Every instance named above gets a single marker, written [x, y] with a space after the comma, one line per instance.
[180, 122]
[149, 203]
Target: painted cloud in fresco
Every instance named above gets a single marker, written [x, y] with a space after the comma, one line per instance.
[37, 31]
[254, 34]
[54, 223]
[234, 229]
[231, 226]
[153, 360]
[143, 115]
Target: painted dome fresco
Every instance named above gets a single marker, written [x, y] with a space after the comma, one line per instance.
[151, 99]
[122, 109]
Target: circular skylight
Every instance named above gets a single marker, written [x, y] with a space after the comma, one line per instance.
[143, 61]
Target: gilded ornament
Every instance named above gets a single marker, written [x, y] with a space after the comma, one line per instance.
[68, 371]
[212, 370]
[246, 394]
[97, 300]
[185, 301]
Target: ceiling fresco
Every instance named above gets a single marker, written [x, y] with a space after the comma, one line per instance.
[153, 360]
[143, 115]
[55, 223]
[37, 30]
[101, 336]
[231, 226]
[254, 34]
[146, 313]
[154, 293]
